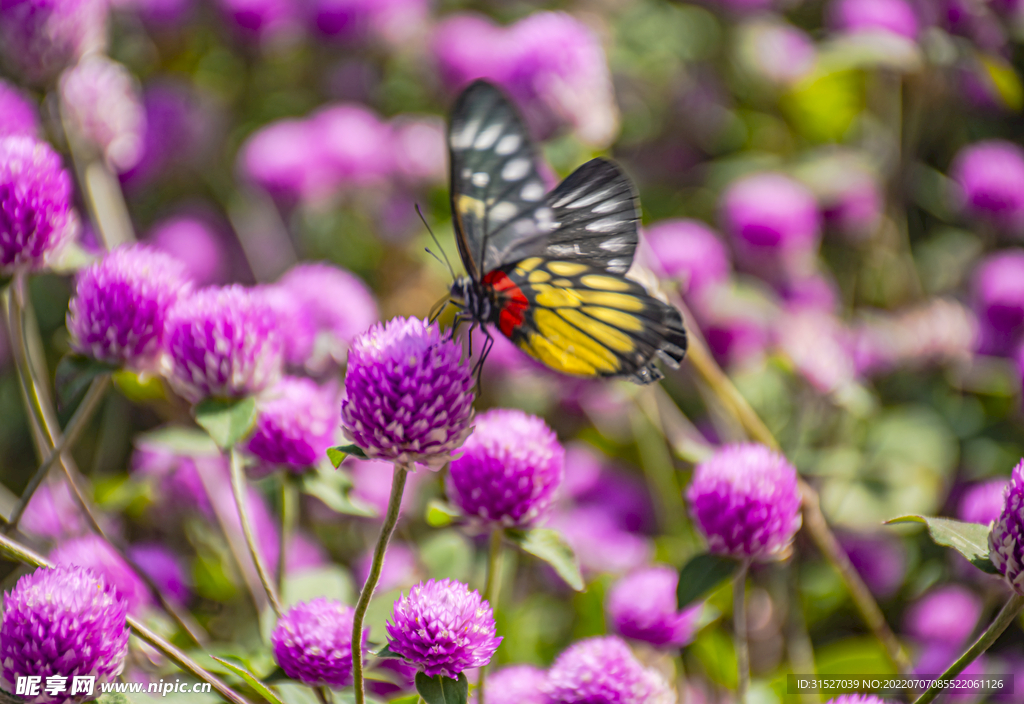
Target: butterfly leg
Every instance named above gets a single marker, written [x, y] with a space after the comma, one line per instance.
[478, 368]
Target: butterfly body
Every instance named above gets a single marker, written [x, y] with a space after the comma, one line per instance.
[547, 269]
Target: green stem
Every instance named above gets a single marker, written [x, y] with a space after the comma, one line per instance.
[390, 521]
[739, 618]
[1003, 619]
[238, 487]
[289, 516]
[491, 589]
[28, 556]
[74, 428]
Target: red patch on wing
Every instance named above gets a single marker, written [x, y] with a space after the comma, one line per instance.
[513, 301]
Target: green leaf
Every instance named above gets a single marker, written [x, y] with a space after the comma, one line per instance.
[968, 539]
[443, 690]
[411, 699]
[335, 493]
[113, 698]
[550, 546]
[338, 452]
[441, 513]
[702, 574]
[74, 374]
[326, 580]
[226, 420]
[386, 653]
[251, 680]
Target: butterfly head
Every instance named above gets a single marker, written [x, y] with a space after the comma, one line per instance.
[466, 295]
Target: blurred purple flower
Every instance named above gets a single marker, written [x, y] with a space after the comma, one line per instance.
[773, 224]
[777, 51]
[509, 469]
[262, 21]
[624, 496]
[164, 568]
[443, 627]
[938, 331]
[1006, 539]
[848, 190]
[689, 251]
[982, 502]
[818, 346]
[815, 293]
[998, 292]
[355, 145]
[746, 502]
[96, 554]
[390, 21]
[419, 149]
[119, 312]
[401, 675]
[600, 543]
[85, 627]
[372, 484]
[642, 606]
[18, 115]
[946, 615]
[100, 100]
[857, 699]
[53, 513]
[880, 560]
[313, 643]
[583, 469]
[470, 46]
[604, 670]
[192, 241]
[40, 38]
[408, 394]
[400, 569]
[175, 472]
[890, 16]
[223, 342]
[296, 424]
[515, 684]
[990, 176]
[36, 218]
[161, 15]
[737, 322]
[284, 159]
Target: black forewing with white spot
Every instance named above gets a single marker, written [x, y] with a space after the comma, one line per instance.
[497, 195]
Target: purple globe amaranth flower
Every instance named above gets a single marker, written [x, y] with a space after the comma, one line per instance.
[890, 16]
[284, 159]
[65, 622]
[53, 513]
[817, 344]
[509, 469]
[223, 342]
[96, 554]
[1006, 539]
[262, 21]
[990, 176]
[737, 321]
[857, 699]
[603, 669]
[408, 394]
[998, 292]
[18, 116]
[690, 251]
[390, 21]
[879, 559]
[313, 643]
[40, 38]
[354, 143]
[642, 606]
[947, 614]
[443, 627]
[516, 684]
[36, 218]
[101, 101]
[164, 568]
[418, 146]
[982, 502]
[941, 330]
[773, 223]
[296, 424]
[119, 311]
[746, 502]
[470, 46]
[194, 242]
[175, 471]
[583, 468]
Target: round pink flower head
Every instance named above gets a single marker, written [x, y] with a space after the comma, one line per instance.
[119, 311]
[857, 699]
[642, 606]
[516, 684]
[469, 46]
[261, 20]
[296, 424]
[946, 615]
[355, 143]
[18, 116]
[313, 643]
[443, 627]
[93, 552]
[36, 218]
[689, 251]
[1006, 539]
[193, 242]
[53, 513]
[66, 622]
[223, 342]
[746, 502]
[604, 670]
[509, 469]
[891, 16]
[998, 288]
[408, 394]
[773, 223]
[164, 568]
[880, 560]
[982, 502]
[40, 38]
[101, 101]
[990, 176]
[284, 159]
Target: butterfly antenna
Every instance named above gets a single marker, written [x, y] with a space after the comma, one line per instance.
[478, 369]
[446, 262]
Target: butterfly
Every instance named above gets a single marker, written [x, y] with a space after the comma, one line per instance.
[548, 268]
